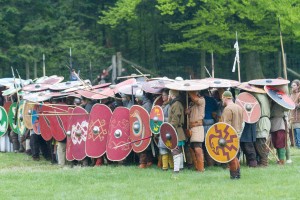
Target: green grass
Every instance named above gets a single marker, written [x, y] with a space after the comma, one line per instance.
[22, 178]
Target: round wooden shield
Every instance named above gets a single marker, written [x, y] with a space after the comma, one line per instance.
[37, 96]
[118, 144]
[168, 135]
[12, 117]
[155, 86]
[20, 115]
[100, 116]
[222, 142]
[187, 85]
[3, 121]
[65, 85]
[280, 97]
[156, 119]
[10, 91]
[116, 87]
[78, 127]
[67, 127]
[251, 88]
[251, 107]
[263, 82]
[53, 80]
[99, 93]
[28, 106]
[44, 122]
[130, 89]
[220, 83]
[36, 87]
[139, 128]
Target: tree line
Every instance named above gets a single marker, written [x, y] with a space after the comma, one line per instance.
[171, 37]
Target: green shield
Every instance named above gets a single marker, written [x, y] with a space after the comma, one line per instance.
[12, 117]
[3, 121]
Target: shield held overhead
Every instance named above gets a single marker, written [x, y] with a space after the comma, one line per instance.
[100, 116]
[119, 134]
[222, 142]
[168, 135]
[139, 128]
[156, 119]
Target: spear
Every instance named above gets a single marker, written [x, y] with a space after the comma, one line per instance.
[132, 142]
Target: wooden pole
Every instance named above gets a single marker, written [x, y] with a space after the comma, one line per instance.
[119, 63]
[35, 70]
[282, 51]
[114, 69]
[44, 66]
[212, 65]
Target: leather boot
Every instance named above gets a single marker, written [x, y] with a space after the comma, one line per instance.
[159, 161]
[193, 155]
[143, 160]
[165, 160]
[200, 159]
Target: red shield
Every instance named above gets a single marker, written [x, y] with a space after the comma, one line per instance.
[126, 82]
[280, 97]
[156, 119]
[118, 135]
[99, 93]
[57, 128]
[53, 80]
[65, 123]
[78, 127]
[168, 135]
[6, 106]
[251, 107]
[45, 126]
[100, 116]
[155, 86]
[139, 128]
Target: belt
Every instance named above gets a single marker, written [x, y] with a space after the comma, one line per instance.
[196, 123]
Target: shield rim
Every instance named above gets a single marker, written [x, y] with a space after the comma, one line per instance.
[237, 143]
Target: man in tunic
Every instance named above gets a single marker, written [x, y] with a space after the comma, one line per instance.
[176, 118]
[232, 115]
[196, 115]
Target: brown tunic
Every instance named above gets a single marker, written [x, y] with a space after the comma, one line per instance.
[295, 114]
[196, 117]
[233, 115]
[176, 118]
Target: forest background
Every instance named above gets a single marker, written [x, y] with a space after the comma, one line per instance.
[167, 37]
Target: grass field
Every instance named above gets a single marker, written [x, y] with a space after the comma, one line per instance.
[22, 178]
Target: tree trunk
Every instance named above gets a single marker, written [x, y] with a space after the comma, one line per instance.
[252, 66]
[202, 64]
[27, 70]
